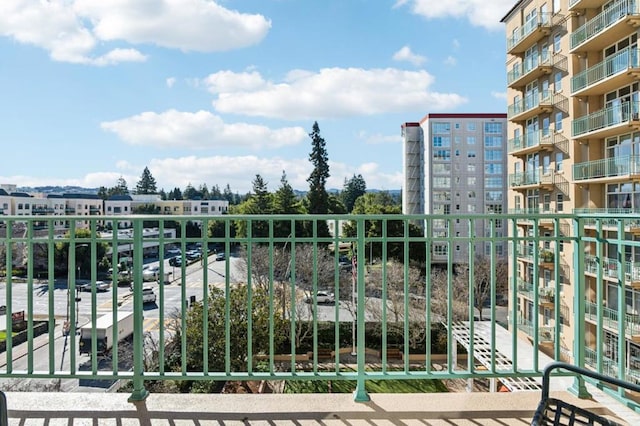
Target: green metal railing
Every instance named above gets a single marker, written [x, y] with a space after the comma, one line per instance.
[530, 63]
[540, 20]
[611, 317]
[607, 117]
[529, 102]
[264, 291]
[529, 140]
[613, 14]
[622, 61]
[623, 165]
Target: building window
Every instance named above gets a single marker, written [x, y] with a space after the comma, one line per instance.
[557, 81]
[556, 42]
[493, 154]
[559, 159]
[471, 208]
[558, 121]
[493, 127]
[441, 182]
[560, 202]
[493, 141]
[471, 168]
[471, 154]
[441, 141]
[471, 181]
[457, 125]
[471, 140]
[441, 128]
[493, 182]
[471, 195]
[556, 6]
[471, 126]
[493, 169]
[442, 154]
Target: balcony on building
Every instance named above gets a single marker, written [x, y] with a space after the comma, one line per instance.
[545, 334]
[619, 70]
[611, 271]
[611, 317]
[531, 179]
[531, 68]
[615, 22]
[576, 5]
[534, 104]
[610, 366]
[534, 30]
[613, 169]
[492, 351]
[540, 140]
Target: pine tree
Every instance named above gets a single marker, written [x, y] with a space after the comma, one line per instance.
[147, 183]
[285, 202]
[318, 197]
[353, 188]
[190, 193]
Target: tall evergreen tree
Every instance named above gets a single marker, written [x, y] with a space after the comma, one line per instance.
[285, 202]
[147, 183]
[353, 188]
[318, 197]
[190, 193]
[261, 196]
[120, 188]
[204, 191]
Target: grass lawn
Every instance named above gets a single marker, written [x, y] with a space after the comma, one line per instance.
[372, 386]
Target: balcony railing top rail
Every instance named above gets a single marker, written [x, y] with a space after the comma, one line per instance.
[242, 297]
[622, 61]
[609, 17]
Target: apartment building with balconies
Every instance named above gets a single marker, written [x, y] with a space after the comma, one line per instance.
[574, 147]
[455, 163]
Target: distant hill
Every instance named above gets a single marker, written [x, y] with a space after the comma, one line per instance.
[81, 190]
[59, 189]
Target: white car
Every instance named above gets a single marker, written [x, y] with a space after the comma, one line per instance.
[99, 285]
[322, 297]
[151, 273]
[148, 296]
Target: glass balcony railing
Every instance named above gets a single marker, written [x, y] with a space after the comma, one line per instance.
[606, 118]
[619, 63]
[531, 140]
[522, 34]
[531, 177]
[246, 298]
[530, 64]
[545, 333]
[615, 13]
[532, 102]
[611, 317]
[622, 166]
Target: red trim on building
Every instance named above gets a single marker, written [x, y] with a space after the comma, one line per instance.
[462, 115]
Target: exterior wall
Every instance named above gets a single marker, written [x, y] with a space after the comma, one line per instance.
[574, 146]
[456, 164]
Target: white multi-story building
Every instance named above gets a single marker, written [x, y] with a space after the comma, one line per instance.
[456, 164]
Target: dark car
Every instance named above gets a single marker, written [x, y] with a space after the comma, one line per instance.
[175, 261]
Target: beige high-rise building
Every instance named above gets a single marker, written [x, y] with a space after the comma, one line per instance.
[574, 147]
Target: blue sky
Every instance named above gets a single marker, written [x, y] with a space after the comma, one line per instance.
[215, 92]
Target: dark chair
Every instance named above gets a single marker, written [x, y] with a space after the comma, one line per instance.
[552, 411]
[4, 415]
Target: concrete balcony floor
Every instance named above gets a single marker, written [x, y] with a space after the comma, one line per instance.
[38, 408]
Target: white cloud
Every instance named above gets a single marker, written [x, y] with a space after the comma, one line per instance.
[450, 60]
[119, 55]
[499, 95]
[170, 82]
[378, 138]
[198, 130]
[405, 54]
[456, 44]
[330, 92]
[480, 13]
[72, 30]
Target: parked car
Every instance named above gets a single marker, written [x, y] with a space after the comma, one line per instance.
[99, 285]
[322, 297]
[151, 273]
[175, 261]
[193, 254]
[148, 296]
[220, 256]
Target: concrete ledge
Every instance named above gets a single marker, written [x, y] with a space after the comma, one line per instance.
[37, 408]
